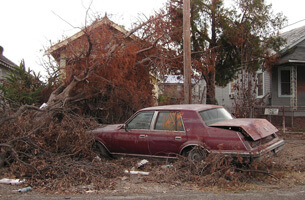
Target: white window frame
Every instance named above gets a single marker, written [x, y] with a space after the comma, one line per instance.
[280, 81]
[231, 90]
[263, 83]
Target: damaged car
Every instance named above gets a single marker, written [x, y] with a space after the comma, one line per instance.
[173, 130]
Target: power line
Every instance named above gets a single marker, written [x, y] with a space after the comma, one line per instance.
[294, 23]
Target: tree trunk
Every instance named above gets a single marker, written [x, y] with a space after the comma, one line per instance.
[211, 88]
[211, 74]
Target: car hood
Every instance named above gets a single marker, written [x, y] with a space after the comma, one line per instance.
[255, 128]
[107, 128]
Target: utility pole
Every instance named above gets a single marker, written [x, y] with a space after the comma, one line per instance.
[187, 52]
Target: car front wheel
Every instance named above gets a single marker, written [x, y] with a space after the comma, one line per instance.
[101, 150]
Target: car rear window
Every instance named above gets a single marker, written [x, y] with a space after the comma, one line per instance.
[170, 121]
[215, 115]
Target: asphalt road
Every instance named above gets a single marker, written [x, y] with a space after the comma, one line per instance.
[295, 193]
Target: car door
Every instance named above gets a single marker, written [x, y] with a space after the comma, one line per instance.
[168, 134]
[132, 138]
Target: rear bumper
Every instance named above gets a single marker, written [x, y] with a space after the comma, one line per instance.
[274, 148]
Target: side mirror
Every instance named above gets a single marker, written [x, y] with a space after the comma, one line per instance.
[125, 126]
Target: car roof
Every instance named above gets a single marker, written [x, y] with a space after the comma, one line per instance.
[192, 107]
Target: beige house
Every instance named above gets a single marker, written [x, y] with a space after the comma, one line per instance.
[5, 64]
[58, 50]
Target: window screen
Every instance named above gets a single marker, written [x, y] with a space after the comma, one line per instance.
[285, 82]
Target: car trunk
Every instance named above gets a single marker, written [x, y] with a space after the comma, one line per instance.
[256, 129]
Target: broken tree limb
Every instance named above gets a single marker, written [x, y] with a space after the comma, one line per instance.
[22, 109]
[257, 171]
[15, 154]
[152, 46]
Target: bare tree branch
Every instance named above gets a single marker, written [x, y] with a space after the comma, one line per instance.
[22, 109]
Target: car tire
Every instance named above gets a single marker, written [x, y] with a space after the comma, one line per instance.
[101, 150]
[197, 154]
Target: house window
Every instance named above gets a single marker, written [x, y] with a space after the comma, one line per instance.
[260, 84]
[284, 81]
[179, 87]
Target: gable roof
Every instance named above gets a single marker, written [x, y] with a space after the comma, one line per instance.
[293, 37]
[293, 50]
[5, 61]
[93, 26]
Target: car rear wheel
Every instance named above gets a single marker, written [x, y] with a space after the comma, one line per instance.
[197, 154]
[101, 150]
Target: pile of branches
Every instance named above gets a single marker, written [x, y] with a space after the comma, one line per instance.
[217, 170]
[51, 150]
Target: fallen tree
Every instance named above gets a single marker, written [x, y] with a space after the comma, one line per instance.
[107, 77]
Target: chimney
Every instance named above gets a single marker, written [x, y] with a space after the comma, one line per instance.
[1, 51]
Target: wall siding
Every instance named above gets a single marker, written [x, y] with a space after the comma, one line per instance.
[267, 85]
[222, 97]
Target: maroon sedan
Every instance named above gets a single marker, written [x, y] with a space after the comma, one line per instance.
[168, 131]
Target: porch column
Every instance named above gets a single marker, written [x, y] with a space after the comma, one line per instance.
[293, 88]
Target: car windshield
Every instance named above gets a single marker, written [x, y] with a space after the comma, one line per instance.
[215, 115]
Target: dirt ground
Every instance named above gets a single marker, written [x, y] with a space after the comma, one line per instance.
[288, 182]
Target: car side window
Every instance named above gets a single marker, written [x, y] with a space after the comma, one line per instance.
[141, 121]
[169, 120]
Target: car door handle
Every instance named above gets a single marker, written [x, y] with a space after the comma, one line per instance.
[177, 138]
[142, 136]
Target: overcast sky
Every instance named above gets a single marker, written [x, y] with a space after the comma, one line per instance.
[27, 26]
